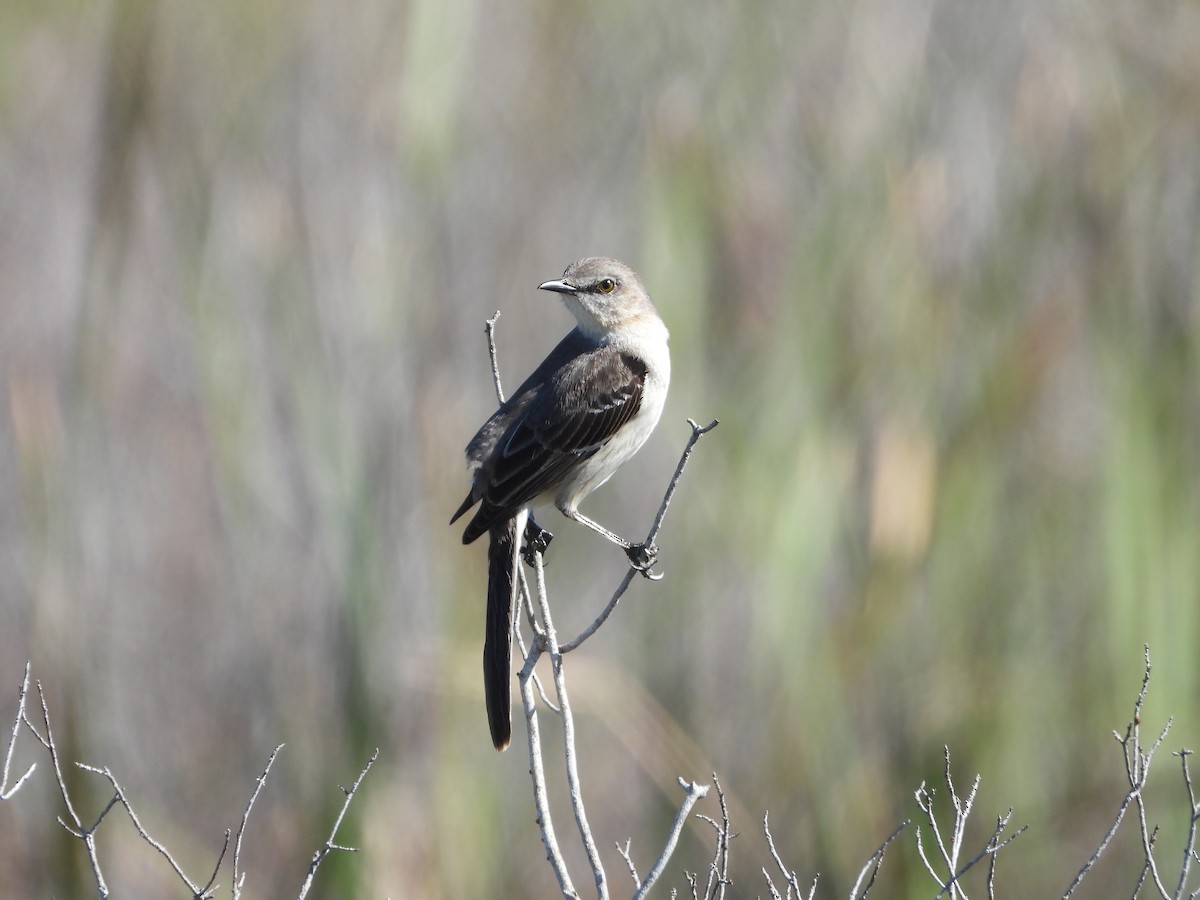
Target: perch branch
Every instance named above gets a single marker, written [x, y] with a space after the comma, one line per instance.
[537, 772]
[574, 789]
[697, 433]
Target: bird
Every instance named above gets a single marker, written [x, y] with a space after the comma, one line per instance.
[583, 412]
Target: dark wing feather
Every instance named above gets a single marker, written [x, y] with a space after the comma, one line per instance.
[575, 412]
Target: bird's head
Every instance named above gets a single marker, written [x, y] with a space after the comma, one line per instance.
[603, 294]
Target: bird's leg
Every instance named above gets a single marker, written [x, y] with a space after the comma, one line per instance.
[641, 556]
[537, 539]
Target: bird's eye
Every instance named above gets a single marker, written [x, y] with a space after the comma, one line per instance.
[606, 285]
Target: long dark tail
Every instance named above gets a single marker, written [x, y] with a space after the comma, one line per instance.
[497, 638]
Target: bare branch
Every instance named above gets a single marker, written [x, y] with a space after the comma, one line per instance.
[694, 793]
[624, 851]
[210, 887]
[564, 704]
[538, 634]
[1137, 770]
[73, 824]
[991, 849]
[1189, 845]
[329, 845]
[718, 872]
[924, 797]
[604, 614]
[239, 877]
[537, 773]
[953, 850]
[792, 881]
[697, 433]
[86, 835]
[199, 892]
[490, 329]
[5, 790]
[874, 863]
[775, 895]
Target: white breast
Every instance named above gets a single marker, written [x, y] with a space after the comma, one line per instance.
[646, 338]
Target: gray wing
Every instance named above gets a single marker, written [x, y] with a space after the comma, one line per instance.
[574, 412]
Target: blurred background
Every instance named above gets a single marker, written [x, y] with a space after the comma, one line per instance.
[932, 264]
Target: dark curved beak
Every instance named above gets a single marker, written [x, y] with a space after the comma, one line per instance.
[559, 287]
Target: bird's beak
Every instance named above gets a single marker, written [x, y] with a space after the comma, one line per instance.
[559, 287]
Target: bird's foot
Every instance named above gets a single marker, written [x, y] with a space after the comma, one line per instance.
[537, 539]
[643, 557]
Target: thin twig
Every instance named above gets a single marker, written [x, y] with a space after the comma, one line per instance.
[238, 876]
[697, 433]
[718, 873]
[1104, 842]
[538, 634]
[993, 849]
[574, 789]
[199, 892]
[993, 846]
[788, 874]
[490, 329]
[873, 864]
[1137, 770]
[1141, 880]
[87, 835]
[604, 614]
[624, 851]
[537, 772]
[329, 845]
[5, 790]
[1189, 845]
[694, 793]
[714, 867]
[924, 798]
[952, 851]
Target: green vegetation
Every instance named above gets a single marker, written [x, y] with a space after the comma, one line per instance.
[933, 266]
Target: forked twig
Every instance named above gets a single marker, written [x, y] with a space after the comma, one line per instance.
[199, 892]
[694, 793]
[574, 790]
[5, 790]
[1137, 770]
[873, 864]
[329, 846]
[789, 875]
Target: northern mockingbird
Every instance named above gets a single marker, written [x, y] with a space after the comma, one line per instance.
[586, 409]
